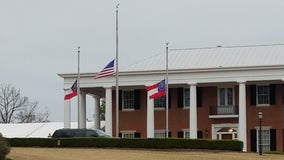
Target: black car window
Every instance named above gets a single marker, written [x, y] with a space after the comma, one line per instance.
[91, 133]
[63, 133]
[80, 133]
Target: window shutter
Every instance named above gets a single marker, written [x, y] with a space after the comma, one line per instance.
[283, 138]
[164, 101]
[282, 96]
[253, 140]
[137, 135]
[253, 95]
[170, 93]
[180, 134]
[179, 97]
[120, 99]
[170, 134]
[273, 140]
[137, 99]
[272, 94]
[199, 96]
[199, 134]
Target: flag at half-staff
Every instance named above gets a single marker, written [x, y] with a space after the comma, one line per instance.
[72, 92]
[160, 88]
[107, 71]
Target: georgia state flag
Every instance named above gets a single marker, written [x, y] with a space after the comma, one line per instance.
[160, 89]
[72, 91]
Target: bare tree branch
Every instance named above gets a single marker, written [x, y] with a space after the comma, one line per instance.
[17, 108]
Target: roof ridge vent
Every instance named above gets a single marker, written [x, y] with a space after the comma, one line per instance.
[241, 46]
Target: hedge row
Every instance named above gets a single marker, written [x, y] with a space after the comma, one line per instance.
[231, 145]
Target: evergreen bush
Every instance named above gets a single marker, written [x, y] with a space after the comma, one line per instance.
[4, 147]
[157, 143]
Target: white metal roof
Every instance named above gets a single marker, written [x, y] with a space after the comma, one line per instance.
[35, 130]
[203, 58]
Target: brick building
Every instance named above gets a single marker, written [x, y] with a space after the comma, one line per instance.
[214, 93]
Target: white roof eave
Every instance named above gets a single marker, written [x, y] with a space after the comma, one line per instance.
[151, 72]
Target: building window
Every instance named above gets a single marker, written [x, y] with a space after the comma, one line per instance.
[222, 97]
[128, 100]
[186, 134]
[225, 101]
[128, 134]
[160, 102]
[263, 95]
[160, 134]
[265, 137]
[186, 97]
[225, 96]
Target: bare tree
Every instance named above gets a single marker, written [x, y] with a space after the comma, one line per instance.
[42, 117]
[14, 107]
[27, 114]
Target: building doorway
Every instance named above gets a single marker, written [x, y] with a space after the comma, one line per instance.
[225, 131]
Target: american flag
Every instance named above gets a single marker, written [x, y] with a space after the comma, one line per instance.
[107, 71]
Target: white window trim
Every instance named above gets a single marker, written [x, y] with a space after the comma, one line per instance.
[160, 131]
[263, 127]
[159, 108]
[257, 135]
[256, 92]
[184, 131]
[183, 92]
[226, 100]
[127, 109]
[128, 132]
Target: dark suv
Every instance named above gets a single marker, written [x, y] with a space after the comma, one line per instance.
[79, 133]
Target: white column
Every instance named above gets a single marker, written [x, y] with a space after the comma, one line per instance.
[67, 111]
[82, 113]
[150, 116]
[242, 131]
[97, 121]
[108, 111]
[193, 112]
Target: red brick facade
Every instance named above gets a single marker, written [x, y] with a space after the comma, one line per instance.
[179, 117]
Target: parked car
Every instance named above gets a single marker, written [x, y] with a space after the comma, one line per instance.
[60, 133]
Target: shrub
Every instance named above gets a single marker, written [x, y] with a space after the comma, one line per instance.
[32, 142]
[169, 143]
[4, 147]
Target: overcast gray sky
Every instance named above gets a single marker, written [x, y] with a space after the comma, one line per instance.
[39, 38]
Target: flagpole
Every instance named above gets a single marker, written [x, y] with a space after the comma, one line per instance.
[116, 79]
[167, 93]
[78, 88]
